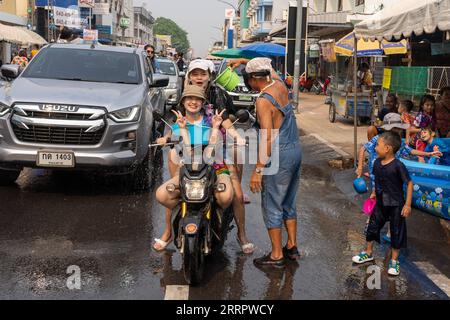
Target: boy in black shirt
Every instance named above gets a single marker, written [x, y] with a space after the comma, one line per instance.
[390, 177]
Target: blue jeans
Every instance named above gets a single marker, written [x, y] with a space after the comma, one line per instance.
[279, 192]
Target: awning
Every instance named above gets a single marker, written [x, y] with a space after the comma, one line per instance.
[403, 18]
[369, 48]
[20, 35]
[345, 47]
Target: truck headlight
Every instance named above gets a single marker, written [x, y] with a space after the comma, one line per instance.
[195, 189]
[130, 114]
[4, 109]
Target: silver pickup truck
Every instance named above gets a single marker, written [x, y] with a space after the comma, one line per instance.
[80, 107]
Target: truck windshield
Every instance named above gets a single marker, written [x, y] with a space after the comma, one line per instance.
[167, 68]
[85, 65]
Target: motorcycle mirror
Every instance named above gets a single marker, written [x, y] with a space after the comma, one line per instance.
[242, 115]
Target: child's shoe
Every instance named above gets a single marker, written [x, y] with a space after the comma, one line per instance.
[387, 238]
[363, 257]
[394, 268]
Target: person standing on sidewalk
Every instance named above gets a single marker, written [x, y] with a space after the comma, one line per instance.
[275, 116]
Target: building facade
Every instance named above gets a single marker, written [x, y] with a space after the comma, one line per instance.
[143, 26]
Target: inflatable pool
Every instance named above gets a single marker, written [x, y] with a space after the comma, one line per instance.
[431, 187]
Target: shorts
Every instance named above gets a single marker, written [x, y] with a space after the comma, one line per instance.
[397, 226]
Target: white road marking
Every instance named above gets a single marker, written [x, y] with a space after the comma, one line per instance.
[175, 292]
[435, 275]
[332, 146]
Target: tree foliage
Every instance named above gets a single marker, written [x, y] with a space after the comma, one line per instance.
[165, 26]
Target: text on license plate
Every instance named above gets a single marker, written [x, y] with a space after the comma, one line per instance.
[245, 98]
[55, 159]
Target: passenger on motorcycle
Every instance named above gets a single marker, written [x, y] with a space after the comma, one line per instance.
[196, 129]
[200, 74]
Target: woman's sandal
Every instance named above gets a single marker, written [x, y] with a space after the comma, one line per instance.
[247, 248]
[162, 244]
[246, 198]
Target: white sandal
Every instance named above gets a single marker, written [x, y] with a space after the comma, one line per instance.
[247, 248]
[163, 244]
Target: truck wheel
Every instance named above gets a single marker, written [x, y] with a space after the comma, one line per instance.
[332, 113]
[8, 177]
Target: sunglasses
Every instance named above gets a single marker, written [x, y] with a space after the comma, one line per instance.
[148, 51]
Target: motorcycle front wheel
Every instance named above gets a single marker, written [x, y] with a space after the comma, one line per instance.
[193, 259]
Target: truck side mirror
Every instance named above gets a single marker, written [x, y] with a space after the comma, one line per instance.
[10, 71]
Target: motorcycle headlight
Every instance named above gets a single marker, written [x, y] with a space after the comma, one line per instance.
[130, 114]
[172, 86]
[4, 109]
[195, 189]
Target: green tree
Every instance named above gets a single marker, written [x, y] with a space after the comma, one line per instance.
[164, 26]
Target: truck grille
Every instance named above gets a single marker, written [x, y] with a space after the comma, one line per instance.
[86, 126]
[66, 116]
[58, 135]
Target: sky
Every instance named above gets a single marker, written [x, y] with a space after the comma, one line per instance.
[197, 17]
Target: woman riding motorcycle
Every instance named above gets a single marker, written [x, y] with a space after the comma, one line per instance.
[200, 74]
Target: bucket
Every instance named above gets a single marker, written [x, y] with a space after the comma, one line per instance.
[360, 185]
[228, 79]
[368, 206]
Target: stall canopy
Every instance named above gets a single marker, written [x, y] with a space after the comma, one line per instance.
[345, 47]
[20, 35]
[403, 18]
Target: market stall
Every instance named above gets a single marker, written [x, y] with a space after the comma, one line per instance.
[343, 89]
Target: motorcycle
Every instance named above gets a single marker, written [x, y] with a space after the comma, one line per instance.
[320, 86]
[200, 227]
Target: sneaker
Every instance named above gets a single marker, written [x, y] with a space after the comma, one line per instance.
[394, 268]
[362, 258]
[292, 253]
[387, 238]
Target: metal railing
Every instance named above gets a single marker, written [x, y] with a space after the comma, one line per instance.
[438, 77]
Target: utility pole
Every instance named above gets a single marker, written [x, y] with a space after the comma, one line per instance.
[298, 42]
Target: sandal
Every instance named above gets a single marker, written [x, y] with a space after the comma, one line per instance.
[247, 248]
[162, 244]
[246, 199]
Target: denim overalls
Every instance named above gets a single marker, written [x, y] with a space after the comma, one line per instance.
[279, 190]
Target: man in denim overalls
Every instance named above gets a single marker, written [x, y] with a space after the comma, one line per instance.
[279, 138]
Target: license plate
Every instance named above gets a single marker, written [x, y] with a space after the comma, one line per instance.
[55, 159]
[245, 98]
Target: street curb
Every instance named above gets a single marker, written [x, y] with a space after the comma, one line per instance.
[342, 162]
[446, 226]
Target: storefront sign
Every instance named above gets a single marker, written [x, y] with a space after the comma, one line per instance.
[103, 29]
[125, 22]
[329, 55]
[101, 8]
[90, 35]
[68, 17]
[57, 3]
[86, 3]
[387, 76]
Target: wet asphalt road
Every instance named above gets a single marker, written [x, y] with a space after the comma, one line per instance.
[52, 220]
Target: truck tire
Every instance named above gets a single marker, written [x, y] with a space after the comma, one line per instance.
[8, 177]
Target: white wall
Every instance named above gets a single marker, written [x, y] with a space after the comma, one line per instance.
[277, 12]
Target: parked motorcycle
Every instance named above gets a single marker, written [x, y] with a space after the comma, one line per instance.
[320, 86]
[200, 226]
